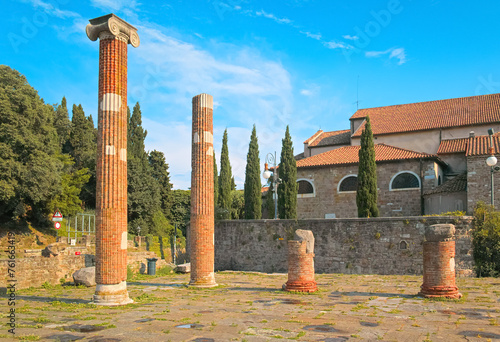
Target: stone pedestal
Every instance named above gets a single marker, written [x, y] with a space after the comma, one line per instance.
[301, 263]
[439, 262]
[111, 170]
[201, 230]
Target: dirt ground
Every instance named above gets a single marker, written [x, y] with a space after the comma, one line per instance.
[252, 307]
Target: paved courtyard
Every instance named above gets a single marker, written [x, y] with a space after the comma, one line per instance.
[252, 307]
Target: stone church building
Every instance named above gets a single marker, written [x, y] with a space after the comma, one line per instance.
[431, 158]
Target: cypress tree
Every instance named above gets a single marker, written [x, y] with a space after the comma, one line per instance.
[270, 200]
[366, 195]
[252, 189]
[225, 180]
[216, 183]
[62, 123]
[288, 188]
[159, 171]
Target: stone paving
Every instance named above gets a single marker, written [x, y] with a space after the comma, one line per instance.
[252, 307]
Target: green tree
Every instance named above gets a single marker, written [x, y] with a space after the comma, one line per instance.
[486, 240]
[72, 182]
[252, 187]
[270, 199]
[159, 171]
[143, 189]
[30, 171]
[216, 183]
[366, 195]
[225, 181]
[288, 188]
[160, 225]
[62, 124]
[237, 205]
[181, 209]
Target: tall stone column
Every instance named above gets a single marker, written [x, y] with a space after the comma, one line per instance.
[439, 262]
[111, 170]
[201, 230]
[301, 263]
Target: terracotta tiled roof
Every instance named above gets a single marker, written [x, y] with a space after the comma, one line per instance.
[457, 112]
[457, 184]
[453, 146]
[342, 137]
[264, 189]
[299, 156]
[314, 136]
[478, 146]
[475, 146]
[349, 155]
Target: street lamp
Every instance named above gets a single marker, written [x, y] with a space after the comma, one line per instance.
[491, 161]
[271, 159]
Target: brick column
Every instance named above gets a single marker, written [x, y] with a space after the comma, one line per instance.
[201, 230]
[111, 170]
[439, 262]
[301, 263]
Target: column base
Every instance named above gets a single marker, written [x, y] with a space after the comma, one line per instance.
[208, 281]
[300, 286]
[111, 295]
[450, 292]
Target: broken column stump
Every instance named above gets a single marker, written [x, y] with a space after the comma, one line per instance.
[439, 262]
[301, 263]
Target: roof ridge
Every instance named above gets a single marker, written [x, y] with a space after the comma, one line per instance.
[413, 103]
[314, 136]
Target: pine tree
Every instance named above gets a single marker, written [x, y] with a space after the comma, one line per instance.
[225, 181]
[82, 139]
[252, 188]
[288, 188]
[143, 190]
[216, 183]
[366, 195]
[159, 171]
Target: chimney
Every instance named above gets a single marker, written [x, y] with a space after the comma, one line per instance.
[472, 134]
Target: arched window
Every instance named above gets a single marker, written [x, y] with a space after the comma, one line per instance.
[403, 245]
[306, 188]
[348, 184]
[405, 180]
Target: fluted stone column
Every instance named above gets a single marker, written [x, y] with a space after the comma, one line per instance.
[201, 234]
[301, 263]
[439, 262]
[111, 171]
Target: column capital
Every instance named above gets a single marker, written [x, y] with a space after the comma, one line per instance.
[112, 27]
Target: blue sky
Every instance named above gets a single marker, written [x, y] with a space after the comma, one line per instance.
[268, 63]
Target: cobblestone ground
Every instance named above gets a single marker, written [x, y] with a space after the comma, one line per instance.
[252, 307]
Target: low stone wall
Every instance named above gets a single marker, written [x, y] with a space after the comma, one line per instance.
[34, 271]
[382, 245]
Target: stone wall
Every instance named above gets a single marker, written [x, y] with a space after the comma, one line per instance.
[327, 199]
[479, 184]
[361, 246]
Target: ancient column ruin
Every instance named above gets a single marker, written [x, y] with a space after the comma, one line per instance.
[439, 262]
[301, 263]
[201, 230]
[111, 171]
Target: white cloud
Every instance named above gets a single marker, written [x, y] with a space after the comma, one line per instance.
[306, 92]
[50, 9]
[349, 37]
[273, 17]
[398, 53]
[166, 72]
[316, 36]
[337, 45]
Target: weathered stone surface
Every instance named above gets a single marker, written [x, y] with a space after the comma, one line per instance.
[381, 245]
[85, 276]
[54, 249]
[439, 232]
[308, 237]
[184, 268]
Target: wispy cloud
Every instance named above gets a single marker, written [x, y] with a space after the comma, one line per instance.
[349, 37]
[316, 36]
[247, 87]
[398, 53]
[337, 45]
[273, 17]
[53, 10]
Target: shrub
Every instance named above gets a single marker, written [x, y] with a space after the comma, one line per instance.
[486, 240]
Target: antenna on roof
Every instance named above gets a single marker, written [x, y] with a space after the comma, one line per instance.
[357, 94]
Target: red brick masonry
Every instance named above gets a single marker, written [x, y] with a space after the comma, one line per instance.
[202, 194]
[301, 263]
[439, 262]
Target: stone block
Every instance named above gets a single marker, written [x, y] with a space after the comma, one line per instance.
[85, 276]
[54, 249]
[184, 268]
